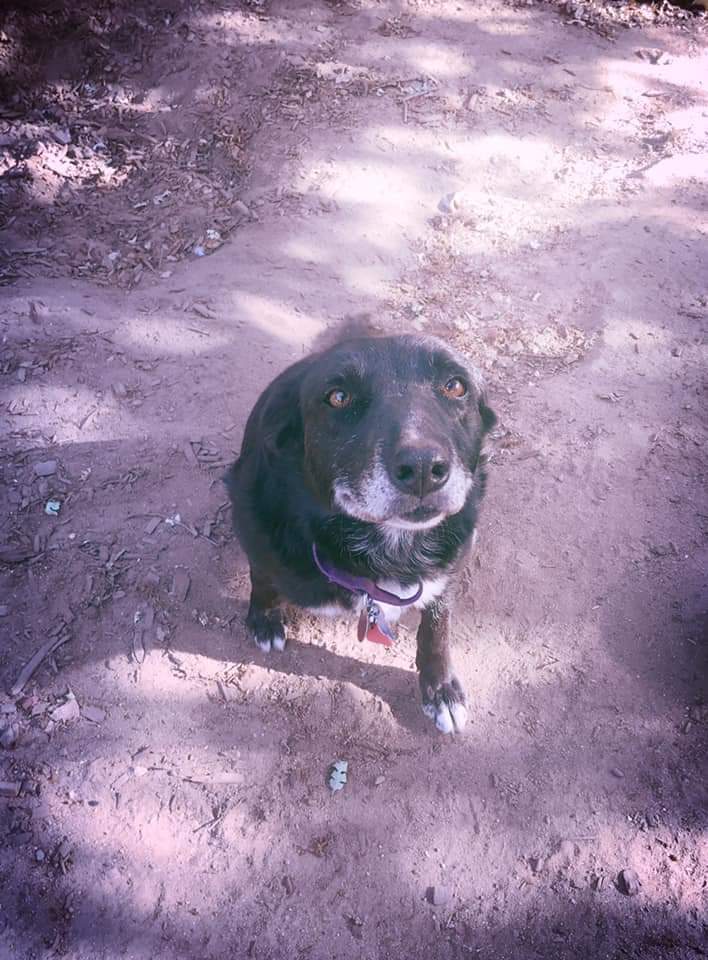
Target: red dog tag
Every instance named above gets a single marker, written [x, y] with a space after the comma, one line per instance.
[372, 625]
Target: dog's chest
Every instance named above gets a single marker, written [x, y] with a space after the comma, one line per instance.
[431, 589]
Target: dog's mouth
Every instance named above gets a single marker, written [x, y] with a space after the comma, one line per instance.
[421, 514]
[422, 517]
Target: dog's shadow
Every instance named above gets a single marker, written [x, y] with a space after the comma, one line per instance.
[388, 684]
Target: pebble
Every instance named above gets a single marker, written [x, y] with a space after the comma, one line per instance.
[10, 788]
[45, 468]
[120, 391]
[628, 882]
[8, 737]
[94, 714]
[439, 895]
[39, 855]
[616, 772]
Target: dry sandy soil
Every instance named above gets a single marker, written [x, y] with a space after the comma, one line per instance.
[190, 194]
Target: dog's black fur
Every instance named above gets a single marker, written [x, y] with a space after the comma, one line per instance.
[403, 448]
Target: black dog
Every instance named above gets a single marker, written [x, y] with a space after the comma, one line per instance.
[357, 487]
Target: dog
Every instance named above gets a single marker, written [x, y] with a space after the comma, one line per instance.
[357, 488]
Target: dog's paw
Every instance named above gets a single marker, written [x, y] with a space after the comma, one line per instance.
[445, 705]
[268, 631]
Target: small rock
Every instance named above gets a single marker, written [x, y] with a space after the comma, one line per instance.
[45, 468]
[289, 885]
[38, 311]
[62, 136]
[628, 882]
[94, 714]
[241, 207]
[4, 609]
[9, 735]
[616, 772]
[439, 895]
[39, 855]
[120, 391]
[10, 788]
[69, 710]
[379, 780]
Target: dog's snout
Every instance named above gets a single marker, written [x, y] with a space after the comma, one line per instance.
[420, 470]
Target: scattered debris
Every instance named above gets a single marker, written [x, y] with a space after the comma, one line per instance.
[338, 775]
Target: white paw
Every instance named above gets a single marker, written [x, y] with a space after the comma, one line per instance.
[275, 641]
[446, 708]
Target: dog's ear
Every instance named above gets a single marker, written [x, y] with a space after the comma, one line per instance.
[281, 420]
[276, 422]
[489, 417]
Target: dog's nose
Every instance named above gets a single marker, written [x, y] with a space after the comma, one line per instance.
[420, 470]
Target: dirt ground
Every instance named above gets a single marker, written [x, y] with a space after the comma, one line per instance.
[190, 193]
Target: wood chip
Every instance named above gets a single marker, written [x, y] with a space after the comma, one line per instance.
[181, 582]
[152, 525]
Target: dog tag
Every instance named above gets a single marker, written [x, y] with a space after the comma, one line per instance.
[373, 626]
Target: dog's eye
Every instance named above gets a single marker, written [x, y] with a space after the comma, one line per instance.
[455, 388]
[338, 398]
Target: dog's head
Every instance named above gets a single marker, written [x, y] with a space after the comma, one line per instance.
[391, 429]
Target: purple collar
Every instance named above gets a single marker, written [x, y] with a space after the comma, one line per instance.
[362, 584]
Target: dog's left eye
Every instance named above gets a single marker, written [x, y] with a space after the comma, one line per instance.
[455, 388]
[338, 398]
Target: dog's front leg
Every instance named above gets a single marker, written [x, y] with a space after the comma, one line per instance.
[265, 619]
[443, 697]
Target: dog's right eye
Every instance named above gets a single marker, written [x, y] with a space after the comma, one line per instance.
[338, 398]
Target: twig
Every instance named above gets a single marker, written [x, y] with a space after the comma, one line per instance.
[26, 672]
